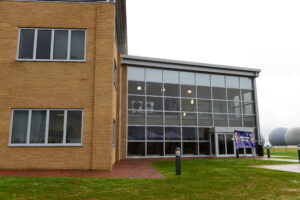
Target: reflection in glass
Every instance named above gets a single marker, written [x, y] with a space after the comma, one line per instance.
[203, 79]
[154, 118]
[172, 118]
[233, 94]
[136, 103]
[43, 44]
[60, 44]
[247, 95]
[229, 144]
[235, 120]
[203, 133]
[246, 83]
[219, 93]
[154, 103]
[74, 127]
[204, 148]
[136, 149]
[221, 139]
[136, 117]
[190, 148]
[136, 87]
[234, 107]
[187, 78]
[189, 133]
[26, 43]
[249, 120]
[19, 128]
[220, 120]
[204, 105]
[189, 119]
[170, 147]
[172, 104]
[248, 108]
[154, 133]
[172, 133]
[56, 126]
[155, 89]
[171, 90]
[136, 133]
[188, 91]
[204, 92]
[220, 107]
[205, 119]
[188, 105]
[218, 81]
[38, 126]
[155, 149]
[232, 82]
[77, 45]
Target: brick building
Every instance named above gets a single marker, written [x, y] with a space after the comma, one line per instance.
[71, 97]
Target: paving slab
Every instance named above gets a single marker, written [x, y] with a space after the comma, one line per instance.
[280, 159]
[287, 168]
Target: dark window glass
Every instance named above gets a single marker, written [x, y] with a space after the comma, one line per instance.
[189, 133]
[221, 139]
[189, 119]
[56, 126]
[241, 151]
[247, 95]
[155, 89]
[188, 91]
[172, 118]
[234, 107]
[249, 120]
[170, 147]
[229, 144]
[248, 108]
[38, 126]
[136, 117]
[204, 148]
[205, 119]
[154, 118]
[43, 44]
[136, 103]
[233, 94]
[204, 92]
[74, 127]
[155, 149]
[77, 45]
[19, 128]
[203, 133]
[248, 151]
[154, 103]
[204, 105]
[136, 149]
[220, 107]
[190, 148]
[154, 133]
[26, 43]
[136, 133]
[220, 120]
[136, 87]
[235, 120]
[219, 93]
[172, 133]
[188, 105]
[60, 44]
[172, 104]
[171, 90]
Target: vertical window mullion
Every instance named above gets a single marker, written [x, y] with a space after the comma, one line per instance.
[65, 126]
[28, 127]
[69, 45]
[35, 43]
[47, 127]
[52, 44]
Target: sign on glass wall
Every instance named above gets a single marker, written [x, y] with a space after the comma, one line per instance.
[244, 139]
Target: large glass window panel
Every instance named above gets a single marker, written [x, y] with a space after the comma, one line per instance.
[155, 149]
[187, 78]
[56, 126]
[221, 139]
[248, 151]
[218, 81]
[136, 74]
[171, 90]
[246, 83]
[77, 45]
[60, 44]
[204, 105]
[19, 127]
[136, 87]
[170, 147]
[233, 94]
[172, 104]
[220, 120]
[247, 95]
[188, 91]
[136, 133]
[235, 120]
[248, 108]
[205, 119]
[136, 149]
[171, 76]
[155, 89]
[155, 118]
[188, 105]
[74, 122]
[232, 82]
[189, 119]
[43, 44]
[220, 107]
[189, 133]
[203, 133]
[154, 75]
[136, 117]
[38, 126]
[241, 151]
[155, 133]
[136, 103]
[204, 148]
[154, 103]
[26, 43]
[190, 148]
[202, 79]
[172, 118]
[219, 93]
[234, 107]
[229, 144]
[249, 120]
[172, 133]
[204, 92]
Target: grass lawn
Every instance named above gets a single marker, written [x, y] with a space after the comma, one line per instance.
[201, 179]
[292, 153]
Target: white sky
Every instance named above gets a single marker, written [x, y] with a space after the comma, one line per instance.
[262, 34]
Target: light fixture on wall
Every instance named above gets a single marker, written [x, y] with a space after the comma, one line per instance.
[189, 91]
[192, 101]
[163, 89]
[139, 88]
[184, 114]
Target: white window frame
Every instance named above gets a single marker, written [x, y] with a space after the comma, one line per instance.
[46, 129]
[52, 45]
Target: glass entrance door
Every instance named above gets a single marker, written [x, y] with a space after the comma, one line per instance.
[225, 144]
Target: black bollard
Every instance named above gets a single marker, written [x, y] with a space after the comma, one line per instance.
[299, 152]
[237, 153]
[178, 161]
[268, 151]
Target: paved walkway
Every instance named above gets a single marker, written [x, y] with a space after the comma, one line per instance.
[123, 169]
[287, 168]
[280, 159]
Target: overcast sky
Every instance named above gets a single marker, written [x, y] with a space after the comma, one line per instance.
[262, 34]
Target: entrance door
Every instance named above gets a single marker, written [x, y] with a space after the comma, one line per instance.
[225, 144]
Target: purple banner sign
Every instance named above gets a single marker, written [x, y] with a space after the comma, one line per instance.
[244, 139]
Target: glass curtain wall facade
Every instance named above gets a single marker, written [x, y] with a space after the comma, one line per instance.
[169, 109]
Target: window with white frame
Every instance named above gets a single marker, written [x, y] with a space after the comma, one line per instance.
[51, 44]
[46, 127]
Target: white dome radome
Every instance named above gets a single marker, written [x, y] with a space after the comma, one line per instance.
[293, 136]
[277, 137]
